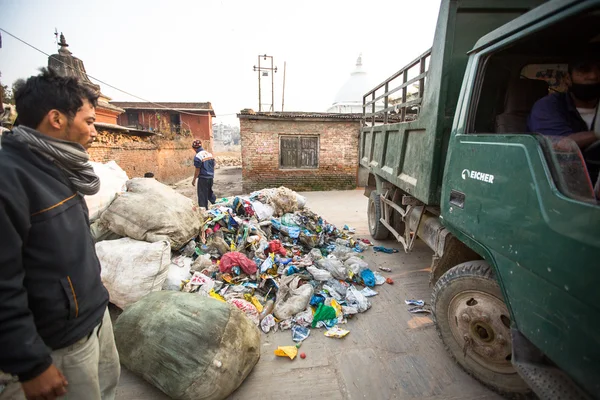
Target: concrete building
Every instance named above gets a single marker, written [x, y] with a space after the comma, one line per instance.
[299, 150]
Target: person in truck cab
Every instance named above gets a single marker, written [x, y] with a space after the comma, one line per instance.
[572, 114]
[56, 336]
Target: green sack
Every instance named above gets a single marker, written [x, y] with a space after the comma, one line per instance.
[189, 346]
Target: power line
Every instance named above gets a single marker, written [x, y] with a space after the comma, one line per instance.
[104, 83]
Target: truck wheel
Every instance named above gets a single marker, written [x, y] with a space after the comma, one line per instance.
[377, 230]
[474, 324]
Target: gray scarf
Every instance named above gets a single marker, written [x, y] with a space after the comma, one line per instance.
[70, 157]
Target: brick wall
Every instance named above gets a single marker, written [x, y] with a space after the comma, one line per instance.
[338, 154]
[169, 160]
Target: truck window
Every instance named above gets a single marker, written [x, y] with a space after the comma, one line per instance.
[512, 79]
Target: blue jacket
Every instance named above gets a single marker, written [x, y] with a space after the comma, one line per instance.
[556, 115]
[206, 162]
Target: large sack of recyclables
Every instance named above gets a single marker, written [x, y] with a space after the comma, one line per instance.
[151, 211]
[189, 346]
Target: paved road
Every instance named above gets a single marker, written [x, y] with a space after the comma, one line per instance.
[389, 353]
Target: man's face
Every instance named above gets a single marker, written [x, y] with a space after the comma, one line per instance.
[81, 128]
[586, 74]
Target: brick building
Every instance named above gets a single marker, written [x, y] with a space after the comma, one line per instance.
[299, 150]
[187, 119]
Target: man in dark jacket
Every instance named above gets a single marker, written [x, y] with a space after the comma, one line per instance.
[205, 172]
[56, 336]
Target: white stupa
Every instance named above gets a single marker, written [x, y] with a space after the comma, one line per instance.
[350, 96]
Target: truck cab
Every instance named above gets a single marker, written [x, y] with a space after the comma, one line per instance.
[512, 216]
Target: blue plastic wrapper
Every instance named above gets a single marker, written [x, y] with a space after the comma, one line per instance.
[292, 270]
[368, 277]
[236, 270]
[316, 300]
[299, 333]
[266, 265]
[410, 302]
[330, 323]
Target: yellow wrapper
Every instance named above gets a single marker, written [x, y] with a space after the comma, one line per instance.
[217, 296]
[287, 351]
[256, 303]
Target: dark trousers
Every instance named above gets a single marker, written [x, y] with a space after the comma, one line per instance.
[205, 192]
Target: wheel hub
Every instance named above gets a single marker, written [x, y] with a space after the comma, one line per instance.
[372, 221]
[480, 322]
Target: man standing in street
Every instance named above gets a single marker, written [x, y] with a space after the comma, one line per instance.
[56, 336]
[205, 172]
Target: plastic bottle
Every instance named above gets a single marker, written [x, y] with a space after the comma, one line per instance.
[267, 309]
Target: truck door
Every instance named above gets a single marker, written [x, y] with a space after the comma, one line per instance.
[525, 201]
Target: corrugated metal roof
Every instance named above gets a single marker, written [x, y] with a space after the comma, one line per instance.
[163, 105]
[247, 113]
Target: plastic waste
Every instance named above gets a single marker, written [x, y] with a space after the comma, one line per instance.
[304, 318]
[276, 247]
[334, 266]
[368, 277]
[300, 333]
[235, 258]
[202, 262]
[338, 286]
[419, 310]
[323, 313]
[316, 300]
[336, 332]
[379, 279]
[291, 231]
[349, 310]
[263, 211]
[291, 297]
[189, 249]
[266, 265]
[411, 302]
[385, 269]
[319, 274]
[315, 254]
[267, 309]
[384, 250]
[368, 292]
[267, 323]
[247, 307]
[287, 351]
[176, 276]
[355, 298]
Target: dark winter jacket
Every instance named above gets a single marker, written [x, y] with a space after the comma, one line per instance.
[51, 294]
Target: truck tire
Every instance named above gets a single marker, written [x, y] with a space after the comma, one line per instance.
[377, 230]
[474, 324]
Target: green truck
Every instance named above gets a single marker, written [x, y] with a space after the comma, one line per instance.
[512, 217]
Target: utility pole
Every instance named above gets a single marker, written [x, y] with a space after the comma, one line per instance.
[283, 91]
[264, 72]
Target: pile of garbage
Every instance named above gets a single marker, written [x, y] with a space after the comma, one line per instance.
[267, 254]
[283, 265]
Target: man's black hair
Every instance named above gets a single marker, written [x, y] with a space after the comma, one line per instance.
[585, 58]
[47, 91]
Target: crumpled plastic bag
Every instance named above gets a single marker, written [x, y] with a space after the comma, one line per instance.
[276, 247]
[355, 265]
[305, 318]
[201, 263]
[247, 307]
[355, 298]
[368, 277]
[319, 274]
[291, 297]
[218, 244]
[300, 333]
[315, 254]
[263, 211]
[176, 276]
[334, 266]
[323, 313]
[267, 323]
[235, 258]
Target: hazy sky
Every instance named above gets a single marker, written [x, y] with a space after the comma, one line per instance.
[205, 50]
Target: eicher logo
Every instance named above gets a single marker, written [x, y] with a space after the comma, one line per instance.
[480, 176]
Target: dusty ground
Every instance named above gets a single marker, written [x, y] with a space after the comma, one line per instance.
[227, 182]
[389, 353]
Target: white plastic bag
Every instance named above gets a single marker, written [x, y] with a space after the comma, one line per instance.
[112, 182]
[291, 298]
[319, 274]
[334, 266]
[264, 212]
[131, 269]
[355, 298]
[177, 274]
